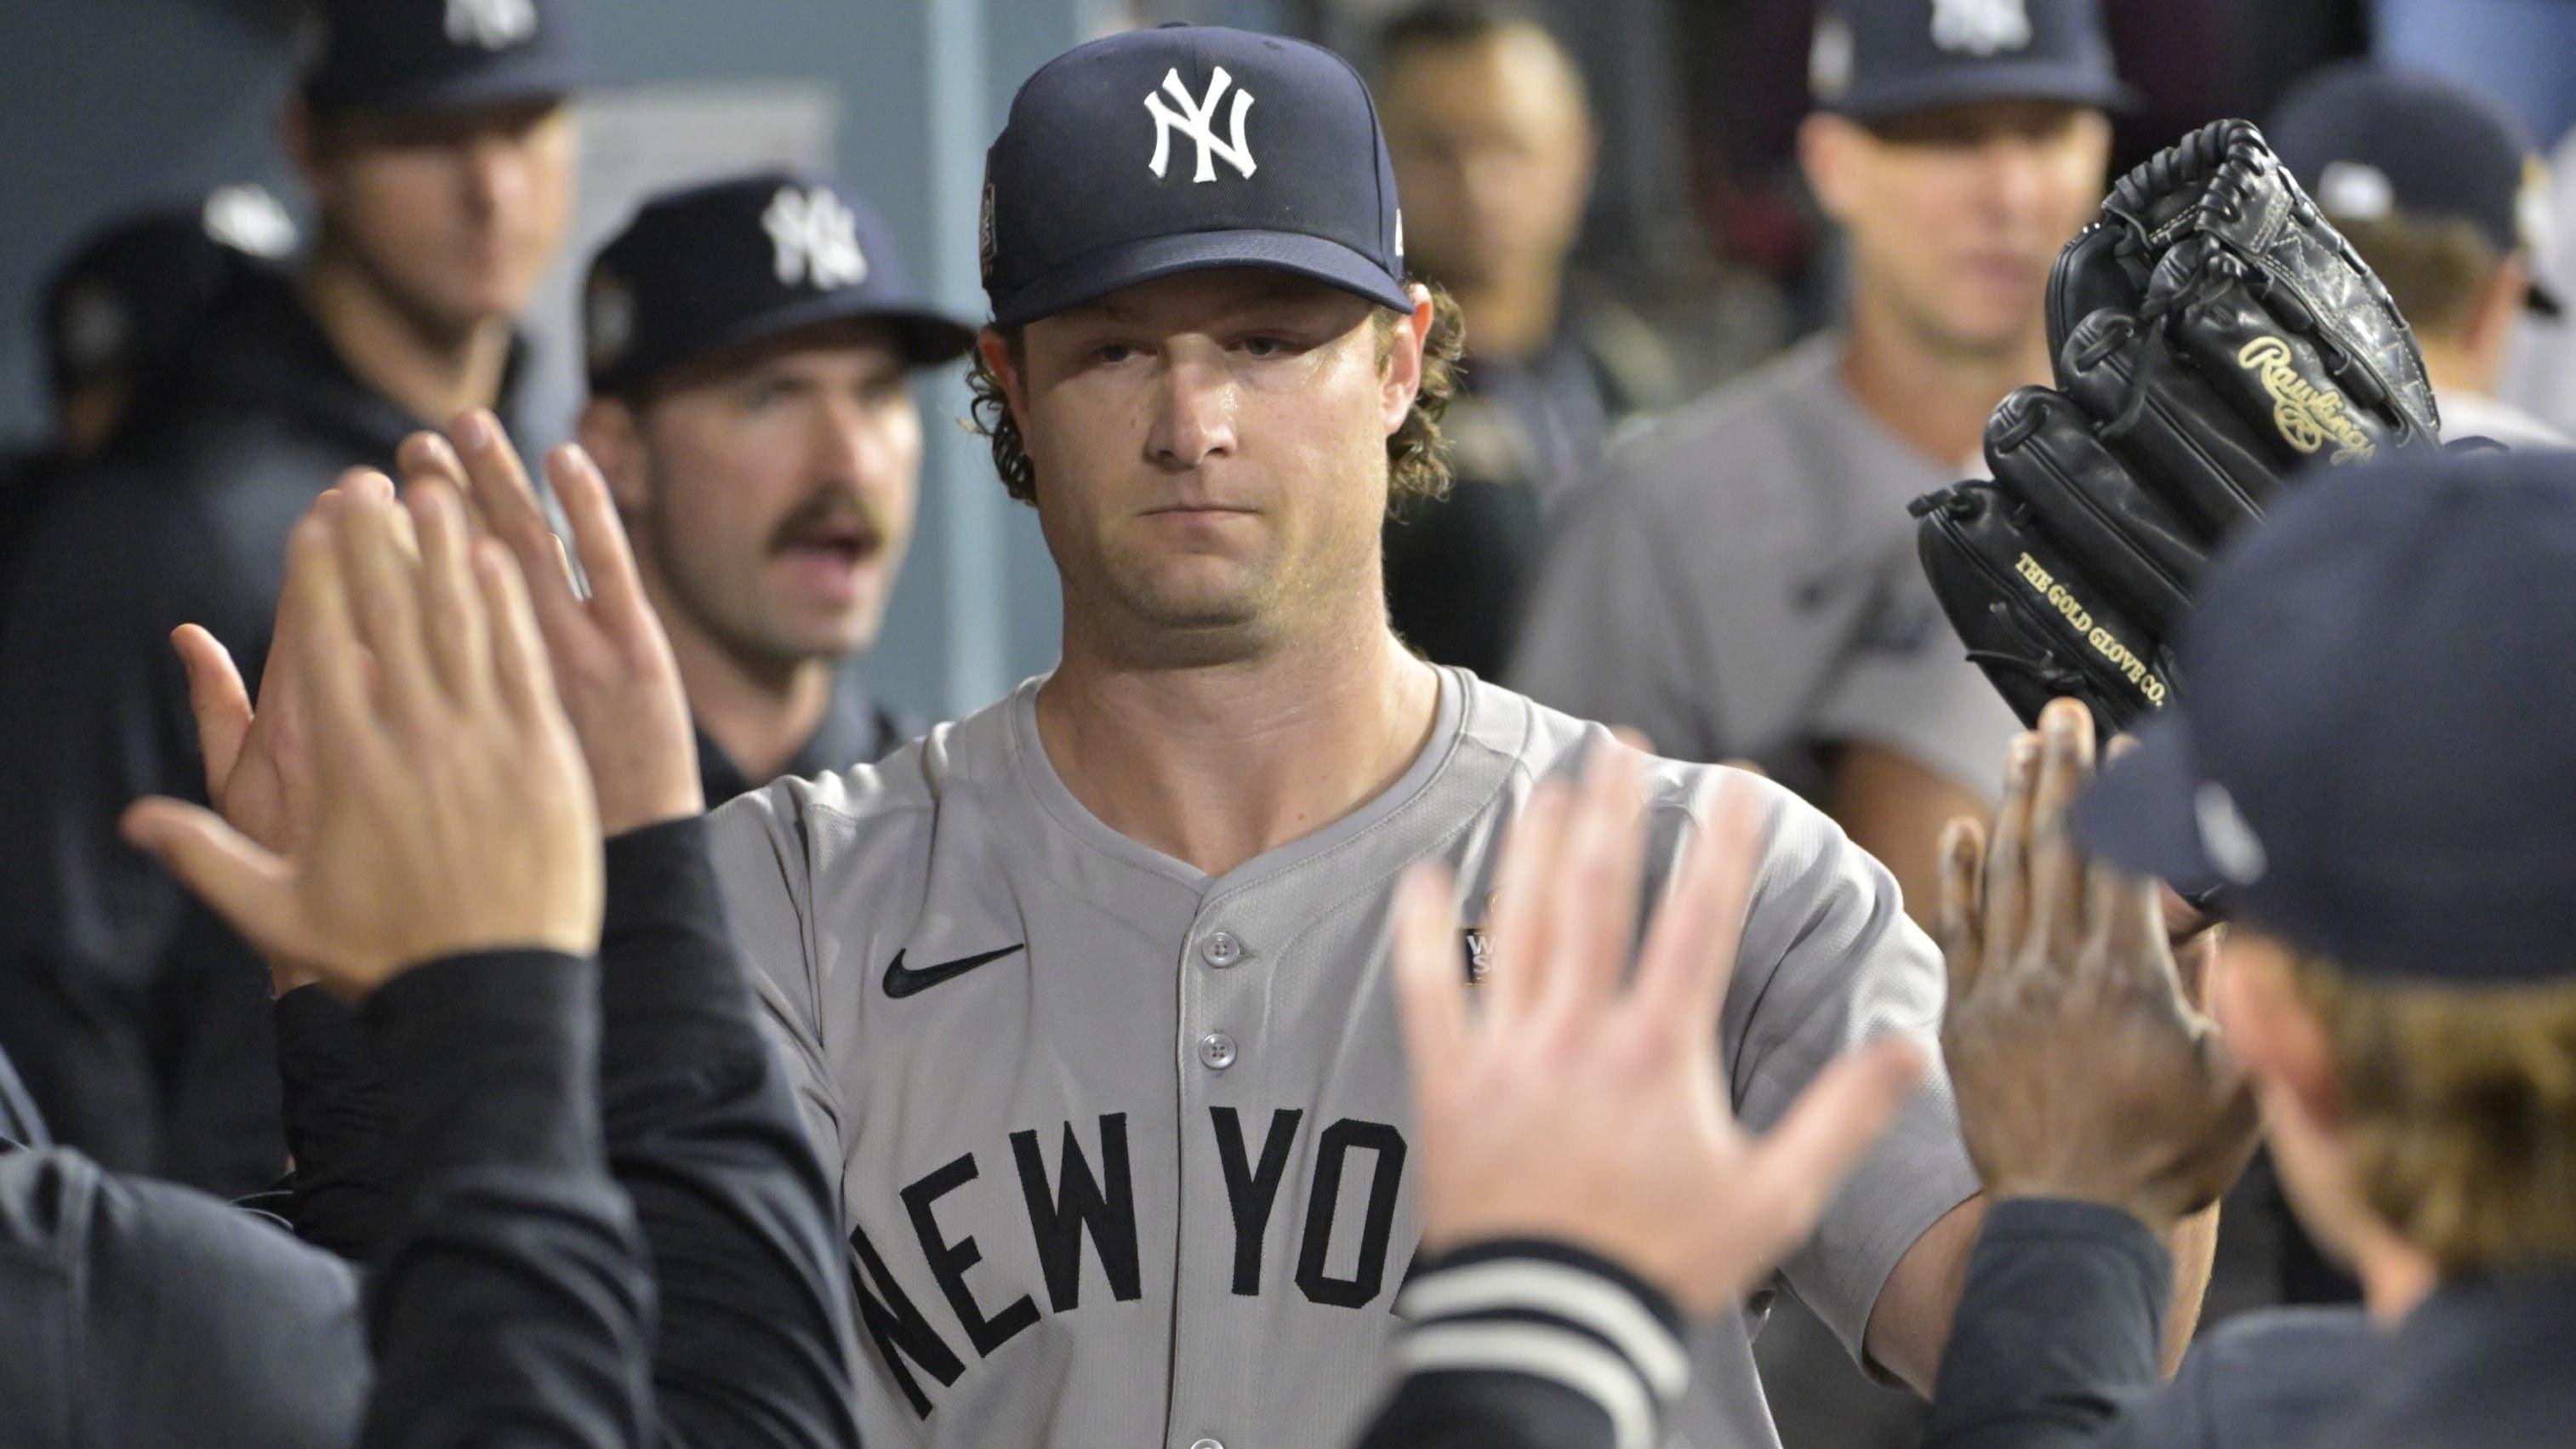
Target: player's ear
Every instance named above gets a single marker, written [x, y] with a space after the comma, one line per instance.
[1000, 359]
[612, 435]
[1407, 336]
[1829, 152]
[2269, 1028]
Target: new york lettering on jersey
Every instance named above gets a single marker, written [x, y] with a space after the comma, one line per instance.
[1138, 1173]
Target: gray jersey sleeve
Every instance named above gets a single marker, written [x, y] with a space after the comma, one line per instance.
[1828, 962]
[1604, 634]
[757, 842]
[1907, 686]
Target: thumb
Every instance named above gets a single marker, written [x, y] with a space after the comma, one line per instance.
[246, 885]
[218, 700]
[1832, 1126]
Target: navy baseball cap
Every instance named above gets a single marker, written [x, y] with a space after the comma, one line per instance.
[728, 263]
[1878, 59]
[123, 304]
[2369, 756]
[2369, 143]
[439, 55]
[1182, 149]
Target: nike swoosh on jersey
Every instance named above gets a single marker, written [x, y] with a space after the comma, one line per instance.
[901, 983]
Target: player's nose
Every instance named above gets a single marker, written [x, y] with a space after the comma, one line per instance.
[1193, 406]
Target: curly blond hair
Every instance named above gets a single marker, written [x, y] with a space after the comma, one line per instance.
[1417, 455]
[2459, 1112]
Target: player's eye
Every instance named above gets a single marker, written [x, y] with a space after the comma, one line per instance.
[1264, 344]
[762, 394]
[1109, 354]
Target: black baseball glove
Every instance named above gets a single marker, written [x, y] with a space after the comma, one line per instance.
[2213, 336]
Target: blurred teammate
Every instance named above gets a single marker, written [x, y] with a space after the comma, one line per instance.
[1493, 142]
[436, 143]
[122, 309]
[751, 347]
[1744, 584]
[2397, 988]
[2446, 199]
[119, 316]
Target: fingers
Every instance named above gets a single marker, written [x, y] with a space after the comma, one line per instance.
[598, 535]
[518, 651]
[2057, 868]
[1430, 980]
[1830, 1128]
[1955, 917]
[426, 457]
[384, 597]
[219, 701]
[1596, 883]
[1524, 902]
[328, 664]
[2006, 878]
[247, 886]
[499, 485]
[1691, 947]
[451, 602]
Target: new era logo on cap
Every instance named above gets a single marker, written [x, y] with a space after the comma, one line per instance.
[491, 24]
[817, 239]
[1192, 120]
[1980, 27]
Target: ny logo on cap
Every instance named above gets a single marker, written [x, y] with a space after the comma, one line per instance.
[1980, 27]
[1192, 120]
[491, 24]
[248, 219]
[817, 239]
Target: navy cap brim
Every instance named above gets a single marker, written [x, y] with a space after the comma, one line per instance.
[1988, 81]
[1114, 269]
[2140, 815]
[928, 338]
[537, 79]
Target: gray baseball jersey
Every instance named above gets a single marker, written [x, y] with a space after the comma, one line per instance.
[1742, 582]
[1122, 1147]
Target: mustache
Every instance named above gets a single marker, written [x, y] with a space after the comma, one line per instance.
[828, 513]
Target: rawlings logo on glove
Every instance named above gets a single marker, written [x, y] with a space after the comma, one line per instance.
[2213, 336]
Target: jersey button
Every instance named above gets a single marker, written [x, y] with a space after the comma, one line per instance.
[1217, 1050]
[1221, 949]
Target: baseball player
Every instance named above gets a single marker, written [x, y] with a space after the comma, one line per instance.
[751, 345]
[1743, 583]
[439, 154]
[120, 314]
[2396, 992]
[1087, 994]
[1493, 138]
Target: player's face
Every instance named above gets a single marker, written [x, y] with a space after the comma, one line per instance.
[1210, 454]
[1956, 215]
[2284, 1051]
[775, 497]
[454, 214]
[1493, 156]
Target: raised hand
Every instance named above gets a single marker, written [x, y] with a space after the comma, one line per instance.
[1583, 1107]
[612, 662]
[259, 770]
[2082, 1070]
[448, 811]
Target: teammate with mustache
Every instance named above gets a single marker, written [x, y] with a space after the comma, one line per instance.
[751, 346]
